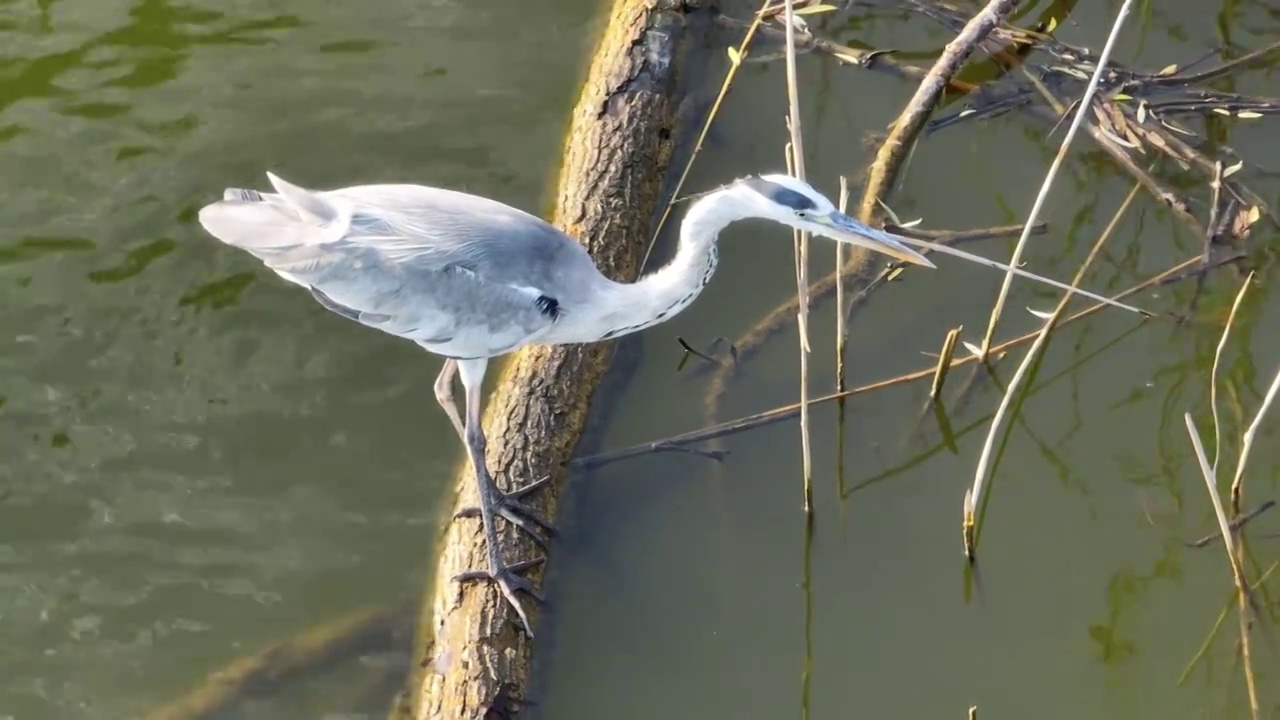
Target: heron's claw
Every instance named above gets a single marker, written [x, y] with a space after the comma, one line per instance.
[509, 580]
[509, 507]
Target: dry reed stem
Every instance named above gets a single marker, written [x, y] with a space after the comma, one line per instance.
[750, 342]
[1213, 375]
[786, 412]
[906, 128]
[1085, 103]
[1246, 446]
[1233, 556]
[801, 254]
[774, 321]
[974, 497]
[842, 332]
[1210, 228]
[967, 535]
[944, 363]
[1246, 656]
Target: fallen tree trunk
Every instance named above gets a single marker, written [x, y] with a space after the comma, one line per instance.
[475, 662]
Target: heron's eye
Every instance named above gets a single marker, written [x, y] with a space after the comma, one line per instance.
[801, 214]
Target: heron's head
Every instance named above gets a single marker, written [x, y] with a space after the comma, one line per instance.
[793, 202]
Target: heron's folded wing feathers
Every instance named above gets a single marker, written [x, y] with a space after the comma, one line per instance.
[432, 227]
[429, 264]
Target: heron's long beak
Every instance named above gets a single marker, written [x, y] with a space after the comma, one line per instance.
[842, 228]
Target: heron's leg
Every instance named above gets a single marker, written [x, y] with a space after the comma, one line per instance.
[444, 395]
[472, 372]
[509, 505]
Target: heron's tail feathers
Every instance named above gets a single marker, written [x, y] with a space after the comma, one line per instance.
[289, 217]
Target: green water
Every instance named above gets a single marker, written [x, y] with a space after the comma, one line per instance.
[199, 460]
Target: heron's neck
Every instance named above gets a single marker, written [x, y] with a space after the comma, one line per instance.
[662, 294]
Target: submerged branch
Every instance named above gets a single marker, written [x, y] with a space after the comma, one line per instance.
[310, 651]
[884, 170]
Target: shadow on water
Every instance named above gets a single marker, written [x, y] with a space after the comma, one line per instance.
[200, 462]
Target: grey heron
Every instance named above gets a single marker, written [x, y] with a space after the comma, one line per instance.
[469, 278]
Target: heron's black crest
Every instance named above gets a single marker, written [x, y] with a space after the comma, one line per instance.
[781, 195]
[548, 306]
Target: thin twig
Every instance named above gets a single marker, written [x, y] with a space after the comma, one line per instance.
[1217, 71]
[689, 350]
[802, 256]
[974, 496]
[1235, 524]
[1041, 196]
[879, 60]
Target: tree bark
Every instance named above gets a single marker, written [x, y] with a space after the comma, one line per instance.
[475, 661]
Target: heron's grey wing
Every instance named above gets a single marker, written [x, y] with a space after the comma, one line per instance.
[448, 311]
[433, 266]
[443, 228]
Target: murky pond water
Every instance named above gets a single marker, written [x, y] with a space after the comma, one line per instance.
[195, 464]
[198, 460]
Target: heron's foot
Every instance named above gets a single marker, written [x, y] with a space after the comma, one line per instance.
[510, 506]
[508, 579]
[495, 503]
